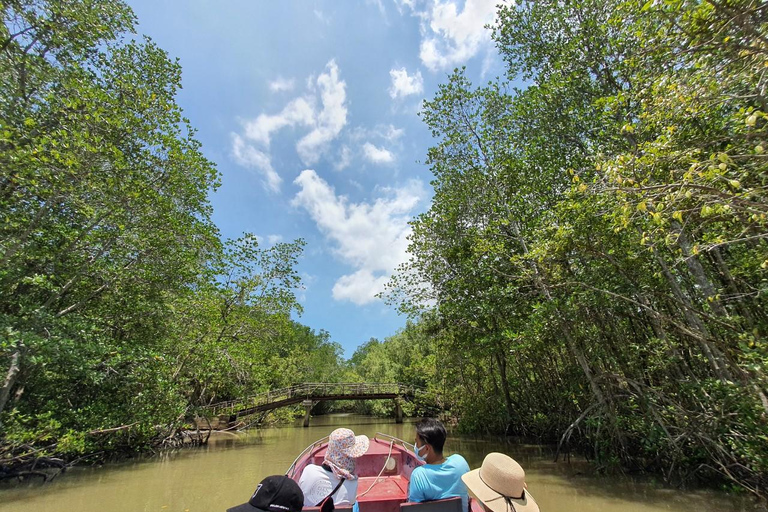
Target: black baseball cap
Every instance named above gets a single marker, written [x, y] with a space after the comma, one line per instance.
[276, 493]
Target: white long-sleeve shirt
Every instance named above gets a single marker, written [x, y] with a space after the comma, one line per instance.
[316, 483]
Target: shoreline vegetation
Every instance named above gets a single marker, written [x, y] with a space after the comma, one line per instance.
[592, 271]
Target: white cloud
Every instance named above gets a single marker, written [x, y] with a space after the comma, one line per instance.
[377, 155]
[298, 112]
[404, 84]
[452, 35]
[392, 133]
[248, 156]
[330, 120]
[281, 84]
[360, 287]
[371, 237]
[268, 241]
[488, 62]
[400, 4]
[385, 132]
[322, 110]
[345, 158]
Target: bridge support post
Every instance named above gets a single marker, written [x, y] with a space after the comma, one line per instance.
[398, 410]
[308, 408]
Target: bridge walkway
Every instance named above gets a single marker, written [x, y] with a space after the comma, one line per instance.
[307, 394]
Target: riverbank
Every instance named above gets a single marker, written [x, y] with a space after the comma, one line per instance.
[224, 472]
[45, 462]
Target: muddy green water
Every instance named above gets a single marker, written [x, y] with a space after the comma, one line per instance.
[225, 473]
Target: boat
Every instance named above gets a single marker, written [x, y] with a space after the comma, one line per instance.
[383, 473]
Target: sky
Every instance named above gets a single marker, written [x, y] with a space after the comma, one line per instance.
[309, 109]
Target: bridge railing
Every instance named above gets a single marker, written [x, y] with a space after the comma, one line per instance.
[308, 390]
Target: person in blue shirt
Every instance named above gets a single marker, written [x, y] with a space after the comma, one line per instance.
[440, 477]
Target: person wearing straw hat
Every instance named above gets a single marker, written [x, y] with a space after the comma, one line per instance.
[499, 485]
[440, 477]
[336, 476]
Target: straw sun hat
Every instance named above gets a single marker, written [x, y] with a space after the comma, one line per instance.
[500, 485]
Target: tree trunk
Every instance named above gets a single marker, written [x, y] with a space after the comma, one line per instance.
[501, 362]
[564, 329]
[658, 331]
[712, 353]
[732, 287]
[10, 379]
[697, 271]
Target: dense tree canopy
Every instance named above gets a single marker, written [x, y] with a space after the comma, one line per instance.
[119, 304]
[596, 246]
[593, 268]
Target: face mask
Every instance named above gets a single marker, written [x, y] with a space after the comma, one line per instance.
[416, 450]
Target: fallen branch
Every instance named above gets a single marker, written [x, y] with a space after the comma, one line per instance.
[113, 429]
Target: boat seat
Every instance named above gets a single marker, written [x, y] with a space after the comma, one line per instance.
[337, 508]
[446, 505]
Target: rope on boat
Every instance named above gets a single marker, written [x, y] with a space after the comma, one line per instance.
[391, 443]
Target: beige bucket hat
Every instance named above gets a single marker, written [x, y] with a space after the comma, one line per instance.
[500, 485]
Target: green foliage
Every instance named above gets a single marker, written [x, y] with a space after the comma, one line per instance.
[594, 259]
[120, 309]
[406, 357]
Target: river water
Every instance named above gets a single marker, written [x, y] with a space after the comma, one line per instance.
[225, 473]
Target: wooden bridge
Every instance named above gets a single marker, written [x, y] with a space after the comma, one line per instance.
[308, 394]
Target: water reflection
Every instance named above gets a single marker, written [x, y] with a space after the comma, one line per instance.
[224, 473]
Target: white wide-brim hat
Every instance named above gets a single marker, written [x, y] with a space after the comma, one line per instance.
[500, 484]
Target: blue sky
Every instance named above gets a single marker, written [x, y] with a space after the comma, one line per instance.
[309, 110]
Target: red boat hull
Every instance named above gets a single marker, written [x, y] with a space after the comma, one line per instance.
[383, 474]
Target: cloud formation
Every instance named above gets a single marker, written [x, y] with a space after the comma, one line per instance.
[322, 111]
[298, 112]
[452, 35]
[384, 132]
[248, 156]
[405, 85]
[330, 120]
[371, 237]
[281, 84]
[377, 155]
[344, 159]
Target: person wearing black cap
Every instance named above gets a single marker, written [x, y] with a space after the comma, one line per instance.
[276, 493]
